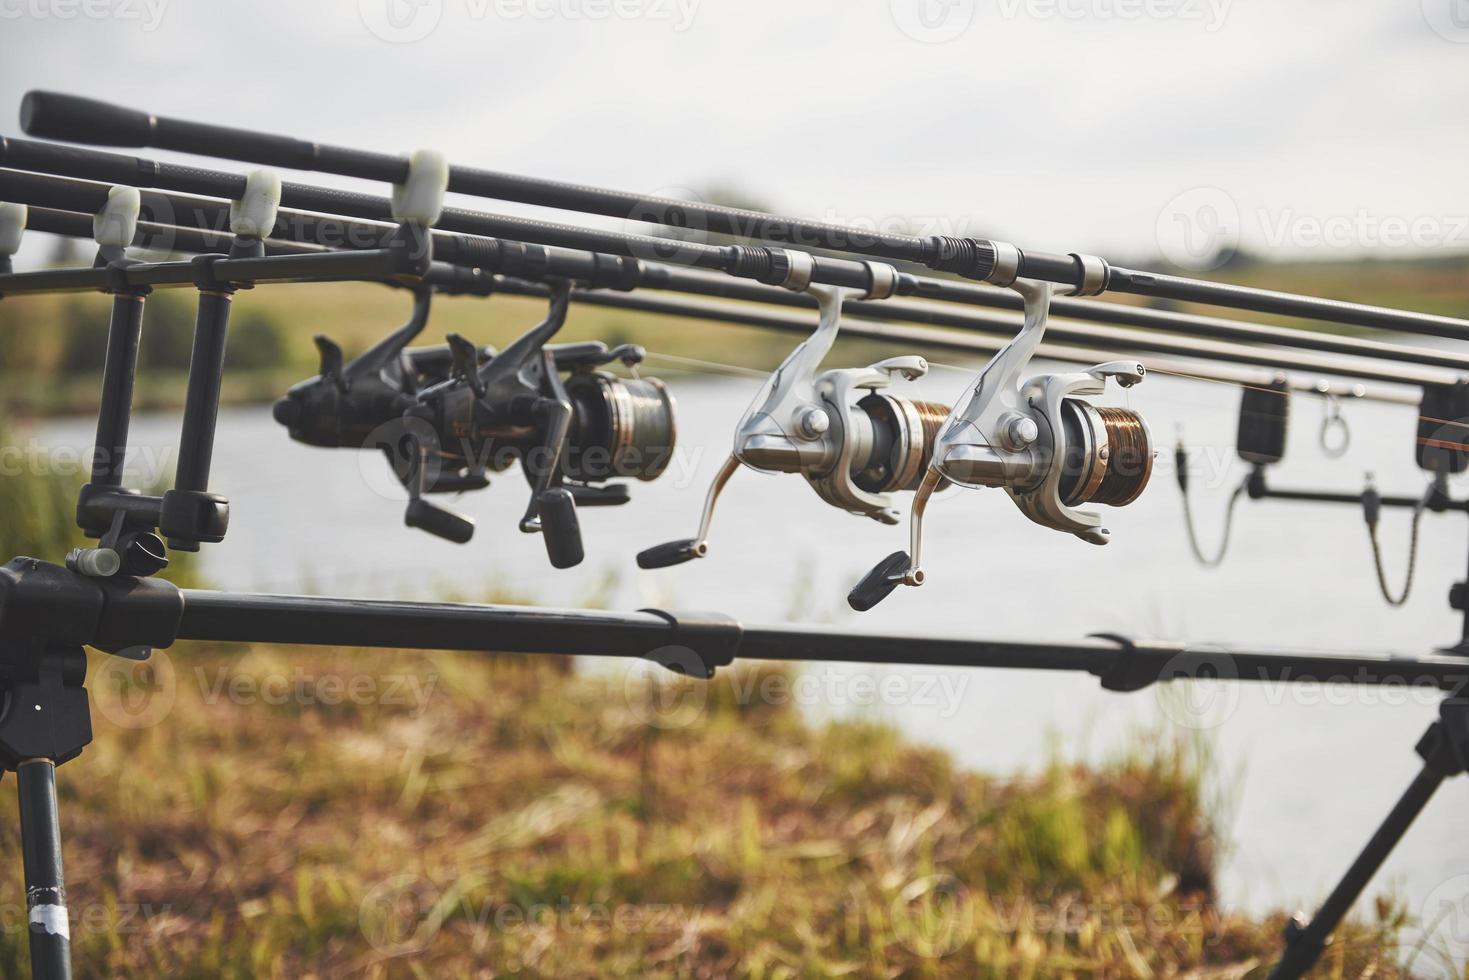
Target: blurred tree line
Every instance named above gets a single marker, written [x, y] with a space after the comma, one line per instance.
[75, 338]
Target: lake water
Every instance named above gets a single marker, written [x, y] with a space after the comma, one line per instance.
[1308, 774]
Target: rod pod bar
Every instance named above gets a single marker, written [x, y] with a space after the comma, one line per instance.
[54, 115]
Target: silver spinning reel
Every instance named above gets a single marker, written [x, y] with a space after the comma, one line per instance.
[1042, 442]
[853, 441]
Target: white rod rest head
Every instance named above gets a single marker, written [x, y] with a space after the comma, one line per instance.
[420, 198]
[253, 215]
[117, 222]
[12, 227]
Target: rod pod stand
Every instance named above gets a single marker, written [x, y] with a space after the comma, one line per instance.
[1444, 748]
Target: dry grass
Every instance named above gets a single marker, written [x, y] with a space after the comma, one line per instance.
[301, 813]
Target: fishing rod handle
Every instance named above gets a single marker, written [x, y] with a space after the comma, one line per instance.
[72, 118]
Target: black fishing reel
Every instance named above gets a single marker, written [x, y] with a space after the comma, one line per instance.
[447, 417]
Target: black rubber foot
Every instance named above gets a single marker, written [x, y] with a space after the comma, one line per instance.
[879, 583]
[667, 554]
[560, 527]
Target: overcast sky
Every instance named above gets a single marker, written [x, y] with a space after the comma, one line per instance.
[1126, 127]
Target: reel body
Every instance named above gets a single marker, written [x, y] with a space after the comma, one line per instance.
[447, 417]
[1049, 448]
[855, 442]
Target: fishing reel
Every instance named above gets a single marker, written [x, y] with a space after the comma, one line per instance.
[855, 442]
[1041, 442]
[447, 417]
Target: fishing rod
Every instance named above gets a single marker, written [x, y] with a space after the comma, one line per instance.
[113, 168]
[453, 280]
[48, 611]
[620, 272]
[52, 115]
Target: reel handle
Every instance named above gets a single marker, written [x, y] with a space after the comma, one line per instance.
[439, 522]
[879, 583]
[610, 495]
[668, 554]
[560, 527]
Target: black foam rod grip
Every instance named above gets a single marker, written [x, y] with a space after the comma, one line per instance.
[666, 554]
[439, 522]
[560, 527]
[879, 583]
[71, 118]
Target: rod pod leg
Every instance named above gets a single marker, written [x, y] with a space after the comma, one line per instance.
[1445, 751]
[40, 834]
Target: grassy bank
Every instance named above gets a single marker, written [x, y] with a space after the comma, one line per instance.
[307, 813]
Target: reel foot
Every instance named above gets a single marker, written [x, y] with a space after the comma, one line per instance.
[879, 583]
[668, 554]
[560, 527]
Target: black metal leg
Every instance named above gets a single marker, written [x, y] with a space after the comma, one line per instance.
[1445, 751]
[40, 833]
[115, 410]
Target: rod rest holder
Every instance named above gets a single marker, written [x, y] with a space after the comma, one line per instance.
[43, 605]
[193, 516]
[700, 642]
[1136, 665]
[97, 506]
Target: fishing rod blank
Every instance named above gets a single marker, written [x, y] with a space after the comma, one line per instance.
[114, 168]
[453, 280]
[53, 115]
[601, 268]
